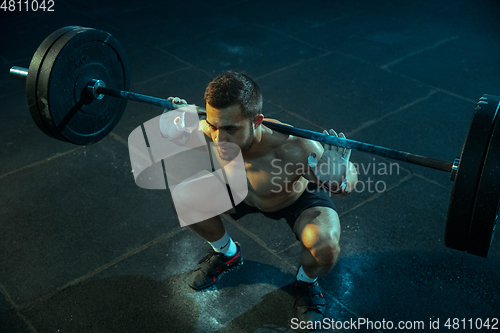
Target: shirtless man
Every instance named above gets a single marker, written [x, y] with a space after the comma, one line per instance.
[300, 195]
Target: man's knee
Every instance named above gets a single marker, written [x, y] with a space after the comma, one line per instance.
[324, 246]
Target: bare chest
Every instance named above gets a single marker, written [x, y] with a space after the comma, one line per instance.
[271, 176]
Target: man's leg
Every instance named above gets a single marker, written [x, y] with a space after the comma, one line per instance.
[318, 229]
[213, 231]
[210, 230]
[226, 254]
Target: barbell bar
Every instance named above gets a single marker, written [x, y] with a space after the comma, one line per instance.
[67, 84]
[97, 88]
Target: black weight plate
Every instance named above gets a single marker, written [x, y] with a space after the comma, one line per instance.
[463, 194]
[485, 214]
[33, 73]
[73, 60]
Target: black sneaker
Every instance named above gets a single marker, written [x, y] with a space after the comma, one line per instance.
[309, 303]
[212, 267]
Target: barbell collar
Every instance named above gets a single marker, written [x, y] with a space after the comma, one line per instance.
[92, 87]
[454, 169]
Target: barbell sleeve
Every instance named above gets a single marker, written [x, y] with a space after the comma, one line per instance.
[19, 73]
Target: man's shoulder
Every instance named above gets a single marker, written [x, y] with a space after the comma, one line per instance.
[293, 148]
[299, 149]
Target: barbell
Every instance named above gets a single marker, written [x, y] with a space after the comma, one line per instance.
[75, 70]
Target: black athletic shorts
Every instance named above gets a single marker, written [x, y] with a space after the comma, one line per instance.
[313, 196]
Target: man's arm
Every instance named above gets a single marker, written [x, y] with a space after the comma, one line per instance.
[351, 178]
[174, 127]
[205, 129]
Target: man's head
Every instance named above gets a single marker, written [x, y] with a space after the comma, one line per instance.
[235, 88]
[234, 105]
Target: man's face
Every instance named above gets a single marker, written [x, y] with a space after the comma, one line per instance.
[228, 128]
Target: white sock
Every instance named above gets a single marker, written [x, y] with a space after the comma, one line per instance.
[302, 276]
[225, 245]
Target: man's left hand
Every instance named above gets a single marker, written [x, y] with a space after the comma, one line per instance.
[333, 163]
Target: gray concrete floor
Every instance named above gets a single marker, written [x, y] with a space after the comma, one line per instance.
[83, 249]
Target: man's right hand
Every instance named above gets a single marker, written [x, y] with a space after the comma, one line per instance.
[172, 122]
[177, 101]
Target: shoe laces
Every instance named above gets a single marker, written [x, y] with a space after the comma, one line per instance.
[313, 293]
[207, 258]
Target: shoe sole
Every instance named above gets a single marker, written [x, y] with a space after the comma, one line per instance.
[235, 267]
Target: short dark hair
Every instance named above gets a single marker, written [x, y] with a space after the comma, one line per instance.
[235, 88]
